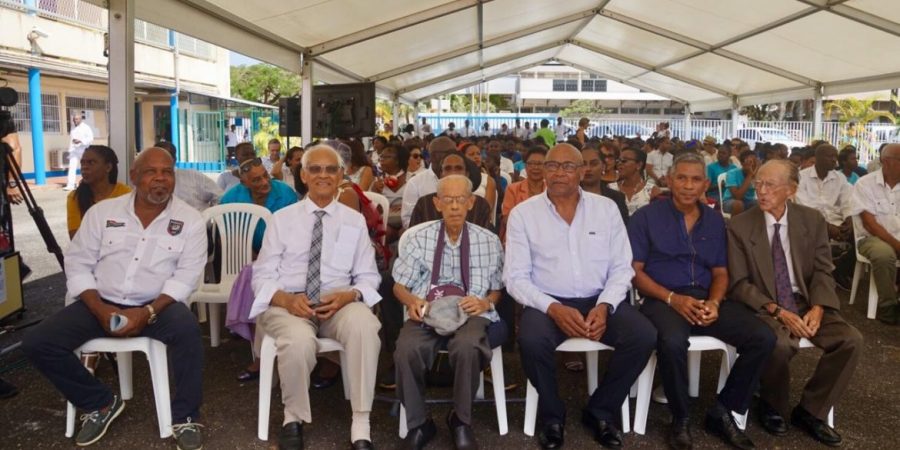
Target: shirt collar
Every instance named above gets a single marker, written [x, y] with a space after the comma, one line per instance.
[770, 219]
[309, 207]
[165, 212]
[879, 178]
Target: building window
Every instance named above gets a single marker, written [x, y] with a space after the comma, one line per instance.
[565, 85]
[97, 104]
[630, 110]
[593, 85]
[673, 111]
[150, 33]
[21, 113]
[195, 47]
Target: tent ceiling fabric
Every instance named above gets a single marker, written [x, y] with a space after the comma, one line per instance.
[709, 53]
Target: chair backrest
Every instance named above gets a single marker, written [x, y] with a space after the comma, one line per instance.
[385, 205]
[720, 182]
[409, 232]
[234, 225]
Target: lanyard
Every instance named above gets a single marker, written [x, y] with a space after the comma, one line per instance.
[464, 257]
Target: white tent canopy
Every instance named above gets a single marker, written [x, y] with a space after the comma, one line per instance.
[711, 54]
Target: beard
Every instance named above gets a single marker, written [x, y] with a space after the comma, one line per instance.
[158, 198]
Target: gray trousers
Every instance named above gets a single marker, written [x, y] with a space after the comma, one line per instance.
[884, 271]
[416, 349]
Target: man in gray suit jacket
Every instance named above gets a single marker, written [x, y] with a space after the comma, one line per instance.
[780, 265]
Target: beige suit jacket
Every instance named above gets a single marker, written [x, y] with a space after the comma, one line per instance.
[750, 264]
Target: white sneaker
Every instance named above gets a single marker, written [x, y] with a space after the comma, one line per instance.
[659, 395]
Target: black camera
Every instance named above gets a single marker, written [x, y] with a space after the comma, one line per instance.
[8, 97]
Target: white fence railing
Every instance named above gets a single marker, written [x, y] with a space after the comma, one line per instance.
[867, 142]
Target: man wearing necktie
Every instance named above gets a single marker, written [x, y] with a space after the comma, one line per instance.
[316, 277]
[780, 265]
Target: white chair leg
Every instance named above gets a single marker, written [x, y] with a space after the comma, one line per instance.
[403, 430]
[479, 394]
[159, 374]
[531, 406]
[215, 324]
[724, 369]
[345, 375]
[499, 392]
[123, 360]
[201, 312]
[644, 388]
[70, 420]
[857, 274]
[873, 297]
[694, 373]
[266, 375]
[592, 362]
[831, 417]
[626, 416]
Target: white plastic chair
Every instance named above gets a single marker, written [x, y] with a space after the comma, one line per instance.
[863, 264]
[499, 394]
[591, 348]
[159, 374]
[698, 344]
[720, 182]
[268, 353]
[234, 224]
[385, 205]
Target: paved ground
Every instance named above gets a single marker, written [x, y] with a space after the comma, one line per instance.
[35, 419]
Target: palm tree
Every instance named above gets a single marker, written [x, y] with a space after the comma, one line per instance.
[854, 114]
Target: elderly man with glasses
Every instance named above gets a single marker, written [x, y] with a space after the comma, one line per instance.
[568, 261]
[316, 276]
[440, 258]
[258, 187]
[426, 209]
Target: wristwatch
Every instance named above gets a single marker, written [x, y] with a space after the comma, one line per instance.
[153, 317]
[776, 312]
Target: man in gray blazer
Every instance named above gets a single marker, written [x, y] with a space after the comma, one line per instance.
[780, 265]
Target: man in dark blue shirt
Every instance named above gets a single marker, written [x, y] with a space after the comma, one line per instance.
[680, 264]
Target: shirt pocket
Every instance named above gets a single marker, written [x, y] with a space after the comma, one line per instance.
[883, 207]
[111, 243]
[345, 248]
[166, 253]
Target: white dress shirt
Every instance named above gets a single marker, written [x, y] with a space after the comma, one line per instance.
[347, 260]
[661, 163]
[785, 242]
[196, 189]
[131, 265]
[561, 132]
[417, 187]
[545, 256]
[82, 133]
[830, 196]
[507, 166]
[227, 180]
[467, 132]
[872, 194]
[522, 133]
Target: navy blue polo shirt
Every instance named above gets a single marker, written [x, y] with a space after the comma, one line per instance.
[673, 258]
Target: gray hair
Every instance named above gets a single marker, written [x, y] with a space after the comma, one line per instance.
[688, 158]
[321, 147]
[451, 178]
[791, 172]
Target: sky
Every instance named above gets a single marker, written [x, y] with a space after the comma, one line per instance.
[238, 59]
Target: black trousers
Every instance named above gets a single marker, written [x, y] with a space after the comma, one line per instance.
[629, 332]
[50, 346]
[737, 325]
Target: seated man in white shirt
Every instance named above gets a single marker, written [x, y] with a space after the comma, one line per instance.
[471, 261]
[316, 277]
[568, 261]
[136, 257]
[659, 161]
[876, 198]
[425, 183]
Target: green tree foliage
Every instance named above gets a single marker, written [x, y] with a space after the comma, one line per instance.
[582, 108]
[263, 83]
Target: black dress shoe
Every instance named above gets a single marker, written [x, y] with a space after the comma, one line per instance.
[815, 427]
[7, 390]
[362, 444]
[461, 432]
[419, 437]
[680, 435]
[291, 437]
[552, 436]
[771, 419]
[317, 382]
[605, 432]
[720, 422]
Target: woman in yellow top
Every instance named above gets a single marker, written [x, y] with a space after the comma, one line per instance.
[99, 181]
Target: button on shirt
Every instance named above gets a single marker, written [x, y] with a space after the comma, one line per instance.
[347, 259]
[673, 257]
[131, 265]
[420, 186]
[830, 196]
[413, 267]
[872, 194]
[545, 256]
[785, 242]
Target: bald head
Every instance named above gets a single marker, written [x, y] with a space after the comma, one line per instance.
[152, 153]
[565, 151]
[891, 150]
[890, 162]
[153, 176]
[781, 169]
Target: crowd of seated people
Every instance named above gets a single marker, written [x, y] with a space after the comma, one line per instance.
[544, 229]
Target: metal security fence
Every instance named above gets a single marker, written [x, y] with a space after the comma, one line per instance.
[73, 11]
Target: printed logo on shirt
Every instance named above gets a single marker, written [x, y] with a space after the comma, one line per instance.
[175, 227]
[113, 224]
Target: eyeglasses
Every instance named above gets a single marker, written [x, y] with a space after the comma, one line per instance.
[761, 185]
[625, 160]
[416, 156]
[316, 170]
[249, 164]
[535, 164]
[454, 168]
[568, 167]
[458, 199]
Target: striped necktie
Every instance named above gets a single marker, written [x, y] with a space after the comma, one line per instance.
[313, 278]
